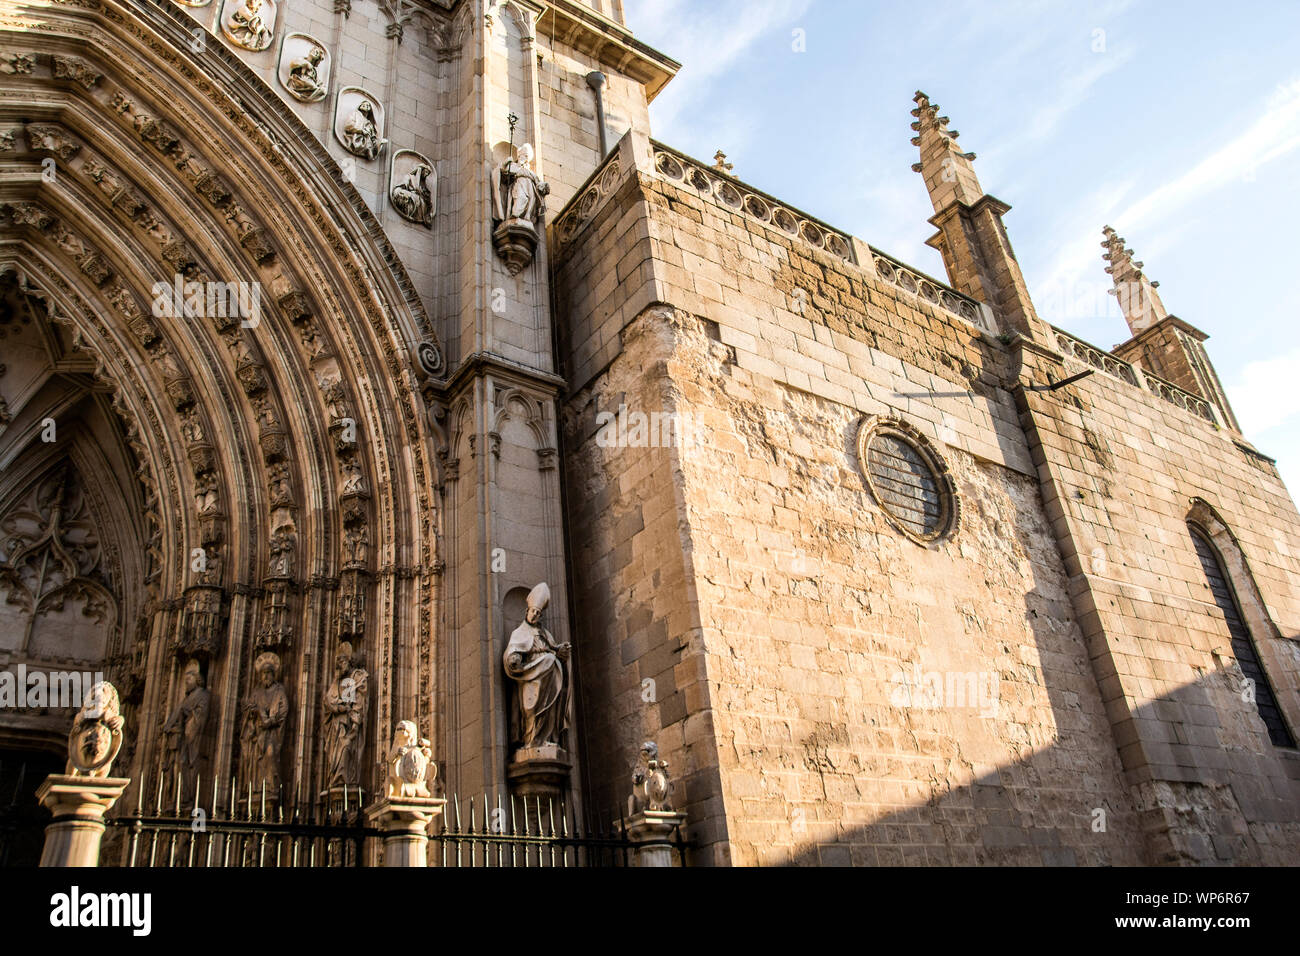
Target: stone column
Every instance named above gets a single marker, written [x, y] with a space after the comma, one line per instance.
[78, 804]
[652, 832]
[405, 822]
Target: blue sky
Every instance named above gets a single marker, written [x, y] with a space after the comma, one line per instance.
[1177, 123]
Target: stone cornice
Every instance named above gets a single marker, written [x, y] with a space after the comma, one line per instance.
[587, 31]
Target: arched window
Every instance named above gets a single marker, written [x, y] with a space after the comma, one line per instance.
[1243, 645]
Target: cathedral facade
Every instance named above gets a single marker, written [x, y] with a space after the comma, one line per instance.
[368, 370]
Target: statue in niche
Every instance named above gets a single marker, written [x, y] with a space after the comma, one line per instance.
[191, 427]
[410, 763]
[96, 736]
[356, 546]
[345, 719]
[281, 547]
[651, 785]
[247, 26]
[517, 191]
[205, 497]
[265, 710]
[354, 480]
[336, 400]
[184, 730]
[538, 666]
[304, 80]
[361, 131]
[281, 493]
[412, 197]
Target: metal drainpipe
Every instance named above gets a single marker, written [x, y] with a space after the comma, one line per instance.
[596, 80]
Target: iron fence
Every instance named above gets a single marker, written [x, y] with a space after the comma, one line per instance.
[230, 827]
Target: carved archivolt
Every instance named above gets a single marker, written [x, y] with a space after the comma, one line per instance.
[303, 478]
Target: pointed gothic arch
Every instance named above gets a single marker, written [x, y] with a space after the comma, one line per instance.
[272, 410]
[1232, 589]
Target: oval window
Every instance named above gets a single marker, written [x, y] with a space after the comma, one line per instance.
[908, 480]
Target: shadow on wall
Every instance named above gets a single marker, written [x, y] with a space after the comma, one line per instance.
[1212, 806]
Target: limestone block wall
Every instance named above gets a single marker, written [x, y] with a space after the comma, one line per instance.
[1120, 470]
[570, 140]
[813, 612]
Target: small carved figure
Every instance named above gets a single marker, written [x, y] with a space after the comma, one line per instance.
[281, 493]
[412, 196]
[356, 545]
[96, 735]
[205, 497]
[184, 728]
[410, 763]
[345, 719]
[265, 710]
[281, 547]
[361, 132]
[354, 480]
[537, 665]
[517, 191]
[248, 28]
[304, 80]
[651, 785]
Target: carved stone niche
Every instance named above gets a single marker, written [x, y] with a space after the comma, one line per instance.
[201, 631]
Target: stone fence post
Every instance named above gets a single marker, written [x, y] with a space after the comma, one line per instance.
[80, 797]
[78, 803]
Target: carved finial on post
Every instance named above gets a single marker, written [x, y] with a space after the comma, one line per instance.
[408, 807]
[720, 162]
[1137, 295]
[79, 798]
[651, 819]
[975, 248]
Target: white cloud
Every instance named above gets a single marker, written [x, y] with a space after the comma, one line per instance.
[1265, 395]
[709, 39]
[1274, 134]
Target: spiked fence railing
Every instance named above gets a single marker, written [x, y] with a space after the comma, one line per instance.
[176, 826]
[532, 832]
[238, 827]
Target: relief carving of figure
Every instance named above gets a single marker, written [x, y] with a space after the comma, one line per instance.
[184, 728]
[345, 719]
[538, 666]
[517, 191]
[248, 28]
[410, 763]
[305, 81]
[412, 196]
[96, 736]
[361, 131]
[265, 710]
